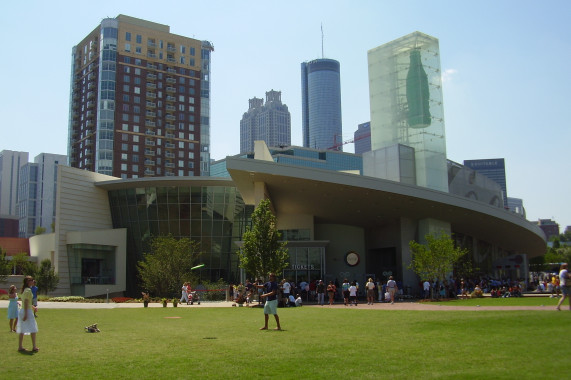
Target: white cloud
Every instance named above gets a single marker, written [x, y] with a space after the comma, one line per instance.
[448, 74]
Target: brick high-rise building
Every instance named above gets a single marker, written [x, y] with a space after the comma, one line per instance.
[140, 101]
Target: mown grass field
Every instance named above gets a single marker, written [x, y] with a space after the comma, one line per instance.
[317, 343]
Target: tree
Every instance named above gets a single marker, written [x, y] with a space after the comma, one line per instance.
[168, 265]
[263, 252]
[46, 277]
[39, 230]
[435, 259]
[5, 265]
[23, 265]
[463, 267]
[557, 255]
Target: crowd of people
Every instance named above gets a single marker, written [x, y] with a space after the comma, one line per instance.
[292, 294]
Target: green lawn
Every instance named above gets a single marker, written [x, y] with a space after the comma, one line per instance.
[512, 301]
[317, 343]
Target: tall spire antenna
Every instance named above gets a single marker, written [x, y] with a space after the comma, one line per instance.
[322, 56]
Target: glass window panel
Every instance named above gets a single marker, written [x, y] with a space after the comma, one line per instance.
[185, 228]
[206, 228]
[196, 212]
[131, 197]
[195, 227]
[173, 195]
[301, 256]
[315, 257]
[174, 227]
[173, 211]
[184, 195]
[163, 212]
[154, 227]
[184, 211]
[196, 194]
[162, 196]
[217, 228]
[153, 212]
[163, 227]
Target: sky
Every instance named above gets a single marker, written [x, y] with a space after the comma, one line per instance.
[506, 81]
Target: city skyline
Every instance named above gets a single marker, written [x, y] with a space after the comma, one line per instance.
[501, 99]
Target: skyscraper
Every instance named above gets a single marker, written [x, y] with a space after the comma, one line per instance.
[494, 169]
[270, 122]
[362, 138]
[37, 193]
[10, 164]
[140, 101]
[405, 92]
[321, 104]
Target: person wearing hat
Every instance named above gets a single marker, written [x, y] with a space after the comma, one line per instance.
[370, 286]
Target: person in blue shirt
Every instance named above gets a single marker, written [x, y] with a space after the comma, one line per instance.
[34, 289]
[271, 305]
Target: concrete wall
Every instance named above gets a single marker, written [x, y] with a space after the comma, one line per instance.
[43, 247]
[295, 221]
[342, 239]
[80, 206]
[114, 237]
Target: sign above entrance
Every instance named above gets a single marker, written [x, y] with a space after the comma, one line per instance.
[352, 258]
[302, 266]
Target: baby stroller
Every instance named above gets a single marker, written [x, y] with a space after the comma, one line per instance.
[193, 297]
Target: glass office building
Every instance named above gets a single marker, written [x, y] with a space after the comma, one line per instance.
[321, 104]
[494, 169]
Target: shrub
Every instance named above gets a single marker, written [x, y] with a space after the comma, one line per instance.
[121, 299]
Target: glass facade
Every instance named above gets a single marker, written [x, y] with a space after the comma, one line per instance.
[305, 264]
[405, 90]
[207, 48]
[214, 216]
[321, 104]
[106, 97]
[90, 264]
[319, 159]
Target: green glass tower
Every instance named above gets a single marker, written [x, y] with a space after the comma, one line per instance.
[405, 90]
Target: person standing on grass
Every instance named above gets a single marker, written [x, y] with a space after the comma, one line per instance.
[565, 285]
[271, 305]
[184, 294]
[26, 321]
[392, 288]
[35, 298]
[286, 287]
[13, 308]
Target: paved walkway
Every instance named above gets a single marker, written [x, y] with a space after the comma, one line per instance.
[404, 305]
